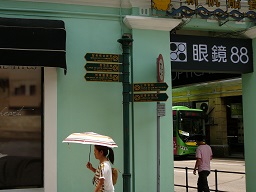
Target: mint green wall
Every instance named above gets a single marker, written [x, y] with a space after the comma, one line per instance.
[21, 8]
[87, 106]
[82, 106]
[146, 48]
[249, 106]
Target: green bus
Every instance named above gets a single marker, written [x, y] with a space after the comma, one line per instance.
[187, 124]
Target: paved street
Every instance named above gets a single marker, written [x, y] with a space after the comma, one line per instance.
[228, 182]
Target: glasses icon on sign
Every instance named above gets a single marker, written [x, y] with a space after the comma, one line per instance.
[178, 51]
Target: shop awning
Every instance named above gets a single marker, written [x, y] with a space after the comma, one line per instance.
[32, 42]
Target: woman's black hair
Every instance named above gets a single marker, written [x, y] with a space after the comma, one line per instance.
[107, 152]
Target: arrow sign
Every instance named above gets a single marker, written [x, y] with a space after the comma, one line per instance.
[103, 67]
[150, 97]
[102, 57]
[105, 77]
[139, 87]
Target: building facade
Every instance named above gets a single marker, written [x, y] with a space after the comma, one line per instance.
[71, 103]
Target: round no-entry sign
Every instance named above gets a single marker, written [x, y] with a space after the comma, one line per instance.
[160, 68]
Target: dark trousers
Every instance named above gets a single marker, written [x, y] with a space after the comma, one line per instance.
[202, 183]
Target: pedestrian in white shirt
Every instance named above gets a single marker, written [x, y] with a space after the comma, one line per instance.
[103, 174]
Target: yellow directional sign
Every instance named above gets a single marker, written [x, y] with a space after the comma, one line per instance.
[103, 77]
[103, 67]
[102, 57]
[149, 97]
[140, 87]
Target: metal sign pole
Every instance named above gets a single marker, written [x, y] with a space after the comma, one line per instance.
[126, 41]
[158, 150]
[160, 78]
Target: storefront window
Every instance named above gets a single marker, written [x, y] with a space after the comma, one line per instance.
[21, 127]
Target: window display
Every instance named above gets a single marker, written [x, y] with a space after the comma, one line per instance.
[21, 127]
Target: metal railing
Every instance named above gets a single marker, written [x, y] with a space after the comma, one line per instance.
[216, 178]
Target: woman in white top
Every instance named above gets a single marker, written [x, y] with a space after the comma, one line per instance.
[103, 174]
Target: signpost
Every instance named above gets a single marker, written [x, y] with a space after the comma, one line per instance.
[149, 97]
[126, 42]
[160, 79]
[140, 87]
[115, 68]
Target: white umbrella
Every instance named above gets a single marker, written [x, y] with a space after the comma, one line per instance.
[90, 138]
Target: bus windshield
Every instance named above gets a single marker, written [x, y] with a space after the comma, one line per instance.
[190, 125]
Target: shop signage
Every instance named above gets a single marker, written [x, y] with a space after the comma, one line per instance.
[149, 97]
[141, 87]
[103, 67]
[219, 10]
[32, 43]
[18, 67]
[161, 4]
[187, 78]
[211, 54]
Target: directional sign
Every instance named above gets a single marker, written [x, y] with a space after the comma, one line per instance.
[105, 77]
[139, 87]
[150, 97]
[102, 57]
[103, 67]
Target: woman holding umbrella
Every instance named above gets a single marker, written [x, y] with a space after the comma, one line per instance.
[103, 174]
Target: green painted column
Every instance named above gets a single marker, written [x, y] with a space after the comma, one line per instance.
[249, 108]
[147, 46]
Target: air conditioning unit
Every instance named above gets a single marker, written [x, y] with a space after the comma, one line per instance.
[203, 105]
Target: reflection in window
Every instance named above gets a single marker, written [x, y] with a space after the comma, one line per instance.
[20, 90]
[32, 90]
[21, 143]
